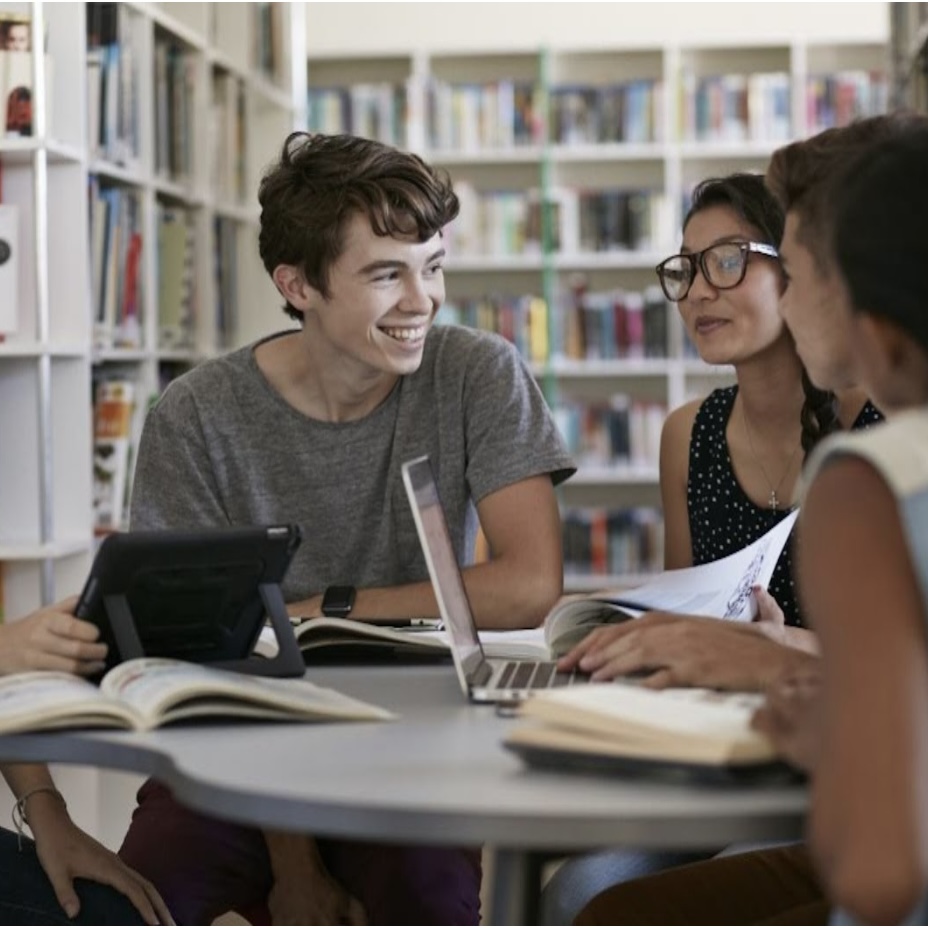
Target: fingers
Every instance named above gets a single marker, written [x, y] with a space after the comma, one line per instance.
[356, 914]
[594, 642]
[71, 645]
[139, 892]
[768, 609]
[64, 893]
[68, 626]
[68, 605]
[619, 659]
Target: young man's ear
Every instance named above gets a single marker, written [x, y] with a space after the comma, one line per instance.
[292, 286]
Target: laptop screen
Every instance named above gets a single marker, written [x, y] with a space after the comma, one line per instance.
[443, 566]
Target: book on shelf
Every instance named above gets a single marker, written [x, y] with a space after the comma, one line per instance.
[9, 268]
[720, 589]
[268, 25]
[327, 639]
[16, 92]
[482, 116]
[114, 404]
[585, 114]
[176, 278]
[116, 254]
[635, 731]
[226, 137]
[736, 107]
[113, 83]
[611, 542]
[149, 692]
[621, 432]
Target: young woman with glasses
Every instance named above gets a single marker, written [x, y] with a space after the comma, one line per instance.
[730, 463]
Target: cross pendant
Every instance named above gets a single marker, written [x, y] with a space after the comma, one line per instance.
[773, 501]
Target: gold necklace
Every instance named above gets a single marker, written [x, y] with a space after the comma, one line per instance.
[773, 500]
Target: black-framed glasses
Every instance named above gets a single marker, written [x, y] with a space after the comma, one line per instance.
[723, 265]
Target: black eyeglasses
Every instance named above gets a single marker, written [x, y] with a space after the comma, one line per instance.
[723, 265]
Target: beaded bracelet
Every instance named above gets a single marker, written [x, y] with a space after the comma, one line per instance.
[19, 809]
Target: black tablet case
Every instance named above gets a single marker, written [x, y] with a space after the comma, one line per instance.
[200, 596]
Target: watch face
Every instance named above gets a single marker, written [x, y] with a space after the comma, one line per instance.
[338, 601]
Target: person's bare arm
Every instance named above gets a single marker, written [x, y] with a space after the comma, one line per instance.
[66, 853]
[514, 589]
[304, 892]
[868, 827]
[674, 470]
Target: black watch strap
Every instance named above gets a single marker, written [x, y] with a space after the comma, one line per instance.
[338, 601]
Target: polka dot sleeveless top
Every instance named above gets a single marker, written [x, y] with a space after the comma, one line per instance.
[722, 517]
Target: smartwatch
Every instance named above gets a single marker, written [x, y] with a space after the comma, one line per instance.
[338, 601]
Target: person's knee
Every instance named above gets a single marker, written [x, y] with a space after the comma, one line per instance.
[201, 866]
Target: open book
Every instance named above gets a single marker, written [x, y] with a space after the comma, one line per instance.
[635, 730]
[347, 640]
[720, 589]
[148, 692]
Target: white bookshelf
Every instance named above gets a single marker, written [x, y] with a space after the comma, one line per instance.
[909, 44]
[670, 162]
[48, 364]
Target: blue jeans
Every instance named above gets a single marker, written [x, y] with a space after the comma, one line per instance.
[27, 897]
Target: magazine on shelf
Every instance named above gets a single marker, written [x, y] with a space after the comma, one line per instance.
[148, 692]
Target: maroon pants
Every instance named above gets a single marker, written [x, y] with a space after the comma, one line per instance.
[204, 866]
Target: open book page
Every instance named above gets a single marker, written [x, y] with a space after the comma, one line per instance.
[341, 636]
[161, 690]
[517, 644]
[45, 699]
[695, 725]
[511, 644]
[720, 589]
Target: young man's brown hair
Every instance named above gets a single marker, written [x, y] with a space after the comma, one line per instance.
[322, 181]
[806, 176]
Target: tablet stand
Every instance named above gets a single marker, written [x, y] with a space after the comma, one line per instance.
[288, 662]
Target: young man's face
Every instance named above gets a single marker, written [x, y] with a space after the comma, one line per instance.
[383, 295]
[815, 309]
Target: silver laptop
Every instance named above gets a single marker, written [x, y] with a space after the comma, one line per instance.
[483, 679]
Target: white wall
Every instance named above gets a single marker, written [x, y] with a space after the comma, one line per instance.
[359, 28]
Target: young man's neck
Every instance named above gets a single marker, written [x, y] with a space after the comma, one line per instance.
[316, 389]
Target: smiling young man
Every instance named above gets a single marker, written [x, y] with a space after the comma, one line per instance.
[311, 425]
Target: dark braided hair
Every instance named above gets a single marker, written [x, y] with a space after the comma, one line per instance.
[819, 416]
[751, 199]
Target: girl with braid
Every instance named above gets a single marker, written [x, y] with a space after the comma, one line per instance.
[730, 463]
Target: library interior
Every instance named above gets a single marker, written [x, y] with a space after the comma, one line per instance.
[576, 137]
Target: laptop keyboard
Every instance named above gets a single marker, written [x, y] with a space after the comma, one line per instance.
[536, 675]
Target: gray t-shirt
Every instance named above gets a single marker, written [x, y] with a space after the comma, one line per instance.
[221, 447]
